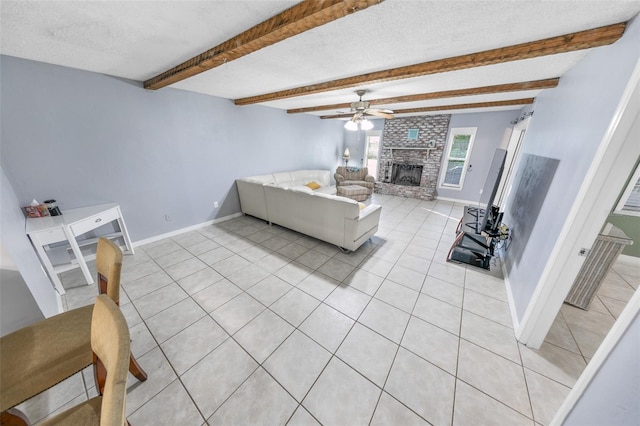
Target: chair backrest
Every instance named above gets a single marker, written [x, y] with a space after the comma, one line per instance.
[111, 347]
[109, 266]
[353, 175]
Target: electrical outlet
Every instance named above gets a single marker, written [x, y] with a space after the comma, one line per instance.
[167, 217]
[215, 205]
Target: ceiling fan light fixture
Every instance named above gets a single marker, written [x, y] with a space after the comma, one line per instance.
[366, 124]
[351, 125]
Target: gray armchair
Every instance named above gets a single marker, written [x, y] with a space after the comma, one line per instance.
[351, 176]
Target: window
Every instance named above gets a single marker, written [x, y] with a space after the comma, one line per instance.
[456, 161]
[629, 203]
[372, 150]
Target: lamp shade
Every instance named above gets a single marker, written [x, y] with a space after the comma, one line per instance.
[346, 153]
[351, 125]
[366, 124]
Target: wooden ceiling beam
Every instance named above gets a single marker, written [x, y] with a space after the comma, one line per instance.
[486, 90]
[293, 21]
[561, 44]
[511, 102]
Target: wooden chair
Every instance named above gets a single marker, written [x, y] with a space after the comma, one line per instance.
[109, 267]
[43, 354]
[110, 346]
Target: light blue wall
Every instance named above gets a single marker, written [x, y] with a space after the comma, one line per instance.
[494, 131]
[568, 125]
[85, 138]
[612, 395]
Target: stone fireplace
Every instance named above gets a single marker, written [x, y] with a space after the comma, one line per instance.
[409, 167]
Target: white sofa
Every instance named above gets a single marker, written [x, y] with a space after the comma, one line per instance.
[283, 199]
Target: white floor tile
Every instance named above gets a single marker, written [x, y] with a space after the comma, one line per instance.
[479, 368]
[297, 363]
[236, 313]
[432, 343]
[438, 313]
[423, 387]
[349, 301]
[473, 407]
[327, 326]
[295, 306]
[341, 396]
[385, 319]
[368, 353]
[193, 343]
[189, 306]
[392, 412]
[212, 380]
[260, 400]
[263, 335]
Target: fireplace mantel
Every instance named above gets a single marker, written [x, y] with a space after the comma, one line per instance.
[409, 147]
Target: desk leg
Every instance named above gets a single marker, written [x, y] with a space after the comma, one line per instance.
[125, 233]
[78, 254]
[44, 258]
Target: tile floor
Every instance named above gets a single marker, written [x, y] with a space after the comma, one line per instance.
[243, 323]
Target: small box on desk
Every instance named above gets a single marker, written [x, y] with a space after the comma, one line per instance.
[40, 210]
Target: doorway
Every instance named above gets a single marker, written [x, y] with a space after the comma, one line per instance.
[372, 151]
[513, 153]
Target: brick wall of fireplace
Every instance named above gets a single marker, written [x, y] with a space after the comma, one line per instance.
[425, 151]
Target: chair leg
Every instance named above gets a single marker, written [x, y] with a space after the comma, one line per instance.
[136, 370]
[13, 417]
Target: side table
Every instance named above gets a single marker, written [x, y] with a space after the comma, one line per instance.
[68, 229]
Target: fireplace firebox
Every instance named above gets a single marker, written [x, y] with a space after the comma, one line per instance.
[406, 174]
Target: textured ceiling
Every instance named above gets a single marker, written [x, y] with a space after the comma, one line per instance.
[139, 39]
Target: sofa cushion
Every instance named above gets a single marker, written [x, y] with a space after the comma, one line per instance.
[299, 188]
[259, 179]
[323, 177]
[282, 178]
[329, 190]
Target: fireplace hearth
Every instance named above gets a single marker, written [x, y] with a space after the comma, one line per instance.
[406, 174]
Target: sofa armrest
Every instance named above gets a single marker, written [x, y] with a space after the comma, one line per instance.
[373, 210]
[252, 200]
[369, 178]
[338, 177]
[357, 230]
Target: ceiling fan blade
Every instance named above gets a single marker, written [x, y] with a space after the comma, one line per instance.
[380, 113]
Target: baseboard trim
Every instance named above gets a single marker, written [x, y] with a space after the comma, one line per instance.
[630, 260]
[457, 200]
[510, 301]
[183, 230]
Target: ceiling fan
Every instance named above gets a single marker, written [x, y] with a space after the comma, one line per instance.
[360, 109]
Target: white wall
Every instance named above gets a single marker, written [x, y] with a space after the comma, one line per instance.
[568, 126]
[612, 397]
[17, 247]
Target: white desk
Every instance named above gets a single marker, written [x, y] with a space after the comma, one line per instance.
[74, 222]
